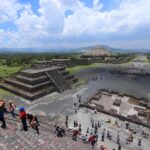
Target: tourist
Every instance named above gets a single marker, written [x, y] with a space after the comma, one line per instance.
[76, 110]
[66, 117]
[103, 132]
[30, 118]
[127, 125]
[92, 124]
[87, 131]
[79, 99]
[91, 119]
[118, 139]
[2, 111]
[12, 108]
[96, 137]
[98, 123]
[59, 133]
[95, 111]
[35, 123]
[56, 129]
[79, 127]
[119, 146]
[108, 135]
[116, 122]
[23, 118]
[139, 142]
[75, 123]
[102, 138]
[63, 131]
[95, 128]
[92, 140]
[66, 123]
[75, 104]
[91, 132]
[93, 143]
[84, 138]
[75, 134]
[131, 137]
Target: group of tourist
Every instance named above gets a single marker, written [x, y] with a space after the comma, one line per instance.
[95, 78]
[60, 132]
[23, 116]
[91, 136]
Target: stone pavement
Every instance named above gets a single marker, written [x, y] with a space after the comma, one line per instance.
[14, 139]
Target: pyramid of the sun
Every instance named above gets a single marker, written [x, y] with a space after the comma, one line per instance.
[96, 52]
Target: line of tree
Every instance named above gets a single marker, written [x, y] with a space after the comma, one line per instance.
[20, 59]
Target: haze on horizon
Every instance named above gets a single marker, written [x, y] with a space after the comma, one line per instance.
[74, 23]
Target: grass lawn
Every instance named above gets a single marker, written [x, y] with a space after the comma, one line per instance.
[4, 92]
[73, 70]
[6, 71]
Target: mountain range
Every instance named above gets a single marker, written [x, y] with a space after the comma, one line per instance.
[73, 50]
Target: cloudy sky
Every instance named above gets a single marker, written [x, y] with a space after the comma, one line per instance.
[74, 23]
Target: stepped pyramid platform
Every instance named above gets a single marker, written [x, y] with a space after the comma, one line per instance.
[36, 82]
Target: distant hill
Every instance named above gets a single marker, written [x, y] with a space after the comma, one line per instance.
[73, 50]
[97, 51]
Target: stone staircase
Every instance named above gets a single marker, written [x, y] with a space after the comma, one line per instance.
[14, 139]
[58, 80]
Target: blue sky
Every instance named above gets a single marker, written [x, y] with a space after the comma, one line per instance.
[57, 24]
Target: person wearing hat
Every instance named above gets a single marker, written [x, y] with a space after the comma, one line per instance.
[12, 108]
[2, 111]
[23, 118]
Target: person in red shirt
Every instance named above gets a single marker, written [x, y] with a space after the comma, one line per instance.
[23, 118]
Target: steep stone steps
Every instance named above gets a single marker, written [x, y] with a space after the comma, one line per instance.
[58, 80]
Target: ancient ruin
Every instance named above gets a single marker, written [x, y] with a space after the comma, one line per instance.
[122, 106]
[39, 81]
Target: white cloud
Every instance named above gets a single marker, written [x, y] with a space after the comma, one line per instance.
[8, 10]
[126, 18]
[51, 26]
[97, 5]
